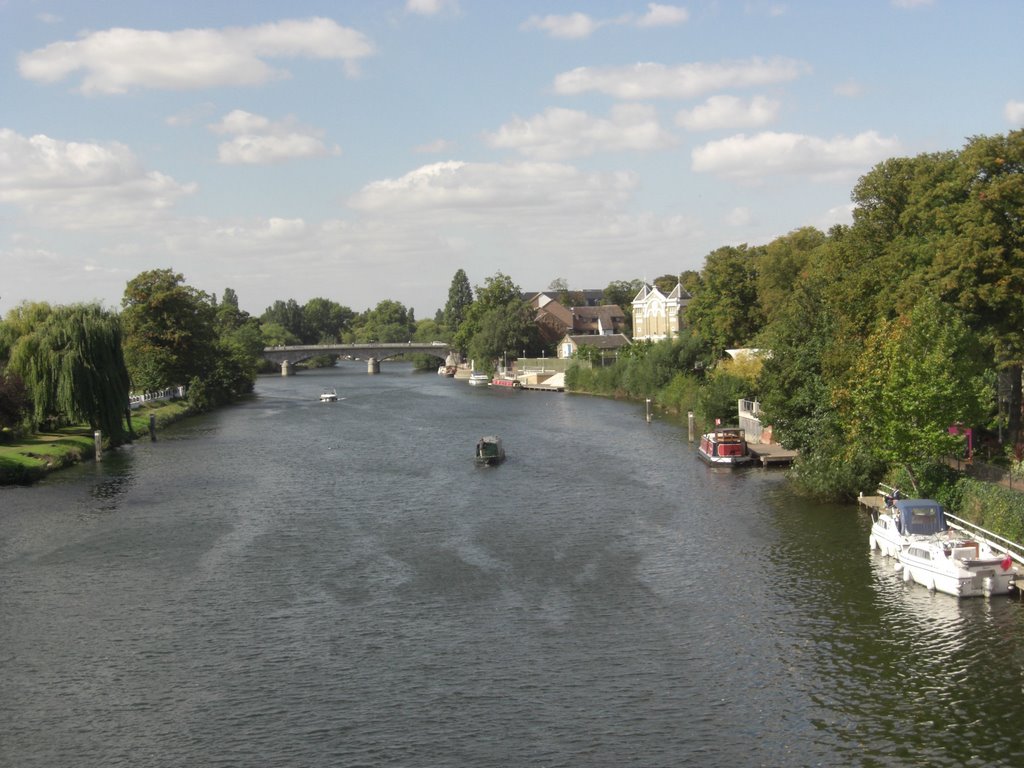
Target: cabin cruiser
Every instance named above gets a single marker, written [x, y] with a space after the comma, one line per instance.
[958, 566]
[900, 520]
[329, 396]
[931, 553]
[479, 379]
[724, 446]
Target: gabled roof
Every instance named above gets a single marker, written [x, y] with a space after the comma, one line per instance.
[612, 341]
[604, 312]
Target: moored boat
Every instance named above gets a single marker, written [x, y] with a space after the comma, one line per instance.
[479, 379]
[489, 450]
[724, 446]
[505, 383]
[958, 566]
[900, 521]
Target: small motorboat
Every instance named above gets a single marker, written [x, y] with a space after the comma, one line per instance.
[329, 396]
[489, 451]
[725, 447]
[479, 379]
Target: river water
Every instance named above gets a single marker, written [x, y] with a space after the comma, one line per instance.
[290, 583]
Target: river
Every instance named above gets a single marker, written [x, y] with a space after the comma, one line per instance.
[293, 583]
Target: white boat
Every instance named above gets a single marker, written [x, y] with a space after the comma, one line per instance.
[902, 520]
[725, 446]
[479, 379]
[957, 565]
[329, 396]
[930, 553]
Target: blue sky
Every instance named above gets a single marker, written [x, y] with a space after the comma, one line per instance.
[362, 151]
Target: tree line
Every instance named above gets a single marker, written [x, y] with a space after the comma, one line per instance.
[875, 337]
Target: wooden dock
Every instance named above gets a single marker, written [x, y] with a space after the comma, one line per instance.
[771, 455]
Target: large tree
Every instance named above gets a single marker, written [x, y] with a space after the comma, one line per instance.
[498, 321]
[324, 321]
[726, 312]
[169, 327]
[919, 375]
[460, 298]
[73, 369]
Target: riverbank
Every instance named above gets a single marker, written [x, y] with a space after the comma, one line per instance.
[34, 456]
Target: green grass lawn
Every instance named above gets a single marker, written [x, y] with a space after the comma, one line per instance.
[32, 456]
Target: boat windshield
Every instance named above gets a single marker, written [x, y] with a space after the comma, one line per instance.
[921, 517]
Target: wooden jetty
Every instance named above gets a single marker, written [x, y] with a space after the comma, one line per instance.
[769, 455]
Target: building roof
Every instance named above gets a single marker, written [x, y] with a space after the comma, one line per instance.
[611, 341]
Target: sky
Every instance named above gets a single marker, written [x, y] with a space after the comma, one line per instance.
[366, 151]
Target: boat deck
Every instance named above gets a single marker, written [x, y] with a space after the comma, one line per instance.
[771, 455]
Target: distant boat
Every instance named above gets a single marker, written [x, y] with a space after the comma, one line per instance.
[329, 396]
[505, 383]
[479, 379]
[489, 450]
[724, 447]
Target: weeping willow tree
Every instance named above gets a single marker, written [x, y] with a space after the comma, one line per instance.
[71, 362]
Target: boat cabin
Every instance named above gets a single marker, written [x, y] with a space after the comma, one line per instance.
[919, 517]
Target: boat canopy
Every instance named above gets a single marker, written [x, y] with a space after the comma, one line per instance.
[920, 517]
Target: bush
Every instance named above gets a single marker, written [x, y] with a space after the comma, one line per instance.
[994, 507]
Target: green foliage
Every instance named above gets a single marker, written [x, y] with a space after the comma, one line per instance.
[286, 314]
[680, 395]
[387, 323]
[170, 330]
[460, 298]
[906, 390]
[725, 311]
[994, 507]
[324, 321]
[719, 397]
[276, 335]
[73, 369]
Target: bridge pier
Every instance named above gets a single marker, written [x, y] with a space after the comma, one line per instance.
[287, 369]
[373, 365]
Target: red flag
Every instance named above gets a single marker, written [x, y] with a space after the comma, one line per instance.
[1007, 563]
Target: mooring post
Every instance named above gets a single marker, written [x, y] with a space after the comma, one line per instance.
[97, 438]
[152, 427]
[689, 424]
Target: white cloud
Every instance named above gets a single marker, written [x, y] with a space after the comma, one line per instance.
[663, 16]
[561, 133]
[653, 81]
[469, 188]
[1014, 113]
[574, 26]
[577, 26]
[81, 185]
[750, 158]
[117, 60]
[429, 7]
[258, 141]
[728, 112]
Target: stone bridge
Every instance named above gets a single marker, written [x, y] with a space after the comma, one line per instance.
[287, 357]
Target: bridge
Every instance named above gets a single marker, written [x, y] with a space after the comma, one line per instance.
[287, 357]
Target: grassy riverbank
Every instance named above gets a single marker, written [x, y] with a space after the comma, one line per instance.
[31, 457]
